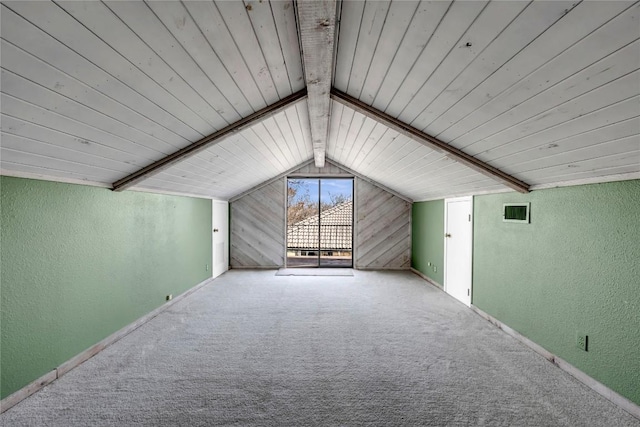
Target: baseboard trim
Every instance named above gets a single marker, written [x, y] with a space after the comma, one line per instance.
[31, 388]
[427, 278]
[28, 390]
[592, 383]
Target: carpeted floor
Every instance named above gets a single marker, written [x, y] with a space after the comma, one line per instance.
[379, 349]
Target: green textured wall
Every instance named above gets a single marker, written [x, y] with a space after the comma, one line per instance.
[574, 268]
[78, 263]
[427, 223]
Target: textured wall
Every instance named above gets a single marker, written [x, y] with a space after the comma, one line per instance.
[383, 230]
[428, 239]
[257, 228]
[573, 269]
[78, 263]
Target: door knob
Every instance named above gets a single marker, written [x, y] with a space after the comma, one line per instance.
[215, 230]
[447, 235]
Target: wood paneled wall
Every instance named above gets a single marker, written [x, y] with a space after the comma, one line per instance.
[383, 229]
[382, 225]
[257, 228]
[328, 169]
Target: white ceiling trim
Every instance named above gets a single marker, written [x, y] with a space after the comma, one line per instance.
[593, 180]
[63, 180]
[44, 177]
[466, 194]
[175, 193]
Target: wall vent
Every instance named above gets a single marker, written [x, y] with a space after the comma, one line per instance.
[516, 212]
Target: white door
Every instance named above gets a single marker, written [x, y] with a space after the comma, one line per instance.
[458, 248]
[220, 237]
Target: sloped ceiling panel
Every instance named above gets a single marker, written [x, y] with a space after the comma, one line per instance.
[242, 161]
[94, 91]
[548, 92]
[398, 162]
[545, 91]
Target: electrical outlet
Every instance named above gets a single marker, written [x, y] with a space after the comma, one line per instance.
[169, 297]
[206, 267]
[435, 269]
[582, 341]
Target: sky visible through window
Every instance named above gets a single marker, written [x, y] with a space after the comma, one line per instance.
[335, 187]
[330, 187]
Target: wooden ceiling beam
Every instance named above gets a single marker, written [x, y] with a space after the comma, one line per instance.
[430, 141]
[316, 29]
[207, 142]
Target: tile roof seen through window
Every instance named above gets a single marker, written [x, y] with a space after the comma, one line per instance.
[336, 230]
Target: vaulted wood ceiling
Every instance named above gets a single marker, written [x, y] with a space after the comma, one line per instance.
[541, 93]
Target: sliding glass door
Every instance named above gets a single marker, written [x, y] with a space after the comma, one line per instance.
[303, 222]
[336, 222]
[319, 222]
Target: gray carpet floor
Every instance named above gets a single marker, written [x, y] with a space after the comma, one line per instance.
[375, 349]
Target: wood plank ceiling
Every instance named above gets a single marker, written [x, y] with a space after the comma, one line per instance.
[546, 92]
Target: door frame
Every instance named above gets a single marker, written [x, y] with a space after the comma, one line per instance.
[320, 177]
[470, 249]
[220, 229]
